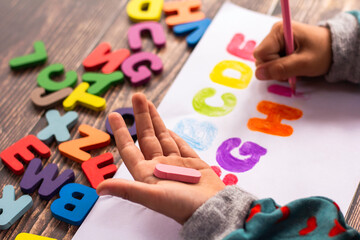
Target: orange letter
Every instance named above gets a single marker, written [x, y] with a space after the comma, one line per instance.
[184, 12]
[272, 124]
[75, 149]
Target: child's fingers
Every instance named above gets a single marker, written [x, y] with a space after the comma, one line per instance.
[185, 149]
[167, 143]
[148, 142]
[134, 191]
[130, 154]
[283, 68]
[272, 45]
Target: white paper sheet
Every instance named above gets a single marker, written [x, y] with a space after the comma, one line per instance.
[320, 158]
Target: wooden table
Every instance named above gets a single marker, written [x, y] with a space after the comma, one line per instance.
[71, 30]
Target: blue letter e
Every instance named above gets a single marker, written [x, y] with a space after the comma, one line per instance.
[74, 204]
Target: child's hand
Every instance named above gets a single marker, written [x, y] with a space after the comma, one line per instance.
[312, 56]
[158, 145]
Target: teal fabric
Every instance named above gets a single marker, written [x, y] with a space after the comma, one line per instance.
[273, 222]
[356, 14]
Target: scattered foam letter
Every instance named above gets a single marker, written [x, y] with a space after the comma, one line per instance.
[184, 12]
[154, 28]
[74, 204]
[126, 113]
[58, 126]
[99, 168]
[80, 96]
[47, 179]
[197, 30]
[101, 57]
[144, 10]
[93, 139]
[272, 124]
[21, 149]
[102, 82]
[28, 236]
[39, 57]
[12, 209]
[143, 74]
[44, 78]
[50, 100]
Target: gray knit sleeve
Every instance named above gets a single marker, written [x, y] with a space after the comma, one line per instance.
[219, 216]
[345, 34]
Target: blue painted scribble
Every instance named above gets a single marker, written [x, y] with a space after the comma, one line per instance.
[199, 135]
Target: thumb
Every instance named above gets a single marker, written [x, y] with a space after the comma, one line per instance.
[282, 68]
[134, 191]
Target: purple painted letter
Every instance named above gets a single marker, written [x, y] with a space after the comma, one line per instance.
[233, 164]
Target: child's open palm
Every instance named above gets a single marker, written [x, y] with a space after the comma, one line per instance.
[158, 145]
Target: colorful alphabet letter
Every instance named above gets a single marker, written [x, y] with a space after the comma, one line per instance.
[50, 100]
[80, 96]
[44, 78]
[143, 74]
[47, 179]
[197, 30]
[93, 139]
[184, 12]
[127, 114]
[199, 135]
[28, 236]
[272, 124]
[154, 28]
[202, 107]
[74, 204]
[102, 82]
[37, 58]
[217, 74]
[11, 209]
[101, 57]
[144, 10]
[58, 126]
[21, 149]
[230, 163]
[246, 52]
[99, 168]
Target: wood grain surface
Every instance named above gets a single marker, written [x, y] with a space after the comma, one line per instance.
[71, 30]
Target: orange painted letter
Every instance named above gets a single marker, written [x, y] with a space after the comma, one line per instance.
[272, 124]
